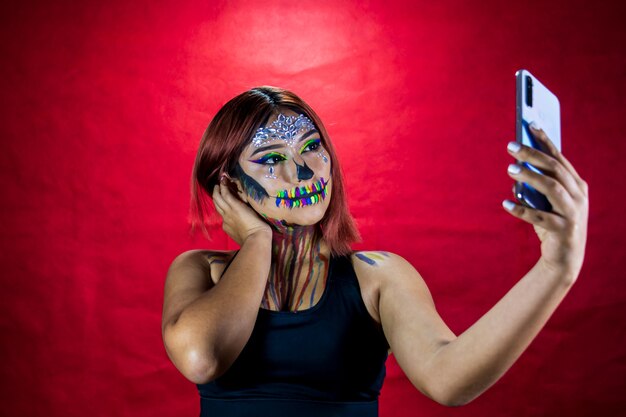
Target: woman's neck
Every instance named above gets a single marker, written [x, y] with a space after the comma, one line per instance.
[299, 264]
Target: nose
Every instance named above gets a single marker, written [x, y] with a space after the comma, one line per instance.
[303, 171]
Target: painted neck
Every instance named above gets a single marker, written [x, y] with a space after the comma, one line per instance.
[291, 237]
[299, 264]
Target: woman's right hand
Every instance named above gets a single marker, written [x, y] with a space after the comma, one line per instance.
[239, 220]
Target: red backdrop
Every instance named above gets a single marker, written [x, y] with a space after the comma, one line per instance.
[103, 107]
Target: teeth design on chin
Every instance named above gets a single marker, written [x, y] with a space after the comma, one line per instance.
[302, 196]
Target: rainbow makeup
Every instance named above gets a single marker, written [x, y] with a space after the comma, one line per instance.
[271, 158]
[278, 224]
[370, 258]
[302, 196]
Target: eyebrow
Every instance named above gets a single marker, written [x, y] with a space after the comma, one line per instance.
[276, 146]
[307, 134]
[266, 148]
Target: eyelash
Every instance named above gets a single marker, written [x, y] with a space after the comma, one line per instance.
[270, 159]
[316, 143]
[274, 158]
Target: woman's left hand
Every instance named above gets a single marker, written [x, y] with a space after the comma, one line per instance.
[563, 232]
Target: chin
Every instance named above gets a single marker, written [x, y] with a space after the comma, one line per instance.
[305, 216]
[301, 216]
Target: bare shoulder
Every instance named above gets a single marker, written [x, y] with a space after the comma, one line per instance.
[382, 264]
[211, 262]
[386, 273]
[374, 271]
[191, 273]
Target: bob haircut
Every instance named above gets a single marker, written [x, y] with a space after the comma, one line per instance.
[227, 135]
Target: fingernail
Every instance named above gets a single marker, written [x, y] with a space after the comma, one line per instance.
[514, 147]
[514, 169]
[509, 205]
[534, 125]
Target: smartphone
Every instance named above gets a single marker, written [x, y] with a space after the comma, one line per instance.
[535, 103]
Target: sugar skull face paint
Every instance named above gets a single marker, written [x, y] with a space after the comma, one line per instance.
[285, 171]
[284, 127]
[302, 196]
[252, 188]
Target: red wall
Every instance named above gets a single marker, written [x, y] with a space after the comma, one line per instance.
[103, 107]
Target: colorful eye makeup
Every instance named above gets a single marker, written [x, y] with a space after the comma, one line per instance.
[270, 158]
[287, 148]
[273, 158]
[302, 196]
[310, 145]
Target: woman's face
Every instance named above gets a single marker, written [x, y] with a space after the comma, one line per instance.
[285, 170]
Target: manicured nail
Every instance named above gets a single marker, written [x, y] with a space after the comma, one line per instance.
[514, 147]
[509, 205]
[514, 169]
[534, 125]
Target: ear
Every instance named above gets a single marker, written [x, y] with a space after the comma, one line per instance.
[236, 187]
[234, 184]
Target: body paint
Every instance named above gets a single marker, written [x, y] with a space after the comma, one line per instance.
[215, 259]
[271, 174]
[302, 196]
[295, 197]
[251, 186]
[370, 258]
[297, 267]
[303, 171]
[279, 225]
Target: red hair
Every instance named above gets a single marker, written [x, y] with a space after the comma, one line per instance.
[230, 132]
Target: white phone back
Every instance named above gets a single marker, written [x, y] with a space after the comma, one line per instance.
[545, 110]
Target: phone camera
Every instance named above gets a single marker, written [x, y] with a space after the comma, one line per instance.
[529, 91]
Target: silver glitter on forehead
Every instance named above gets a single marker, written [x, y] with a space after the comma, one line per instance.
[284, 127]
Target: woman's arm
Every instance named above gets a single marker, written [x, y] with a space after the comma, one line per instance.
[454, 370]
[206, 326]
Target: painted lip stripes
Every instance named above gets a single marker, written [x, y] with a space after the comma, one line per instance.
[302, 196]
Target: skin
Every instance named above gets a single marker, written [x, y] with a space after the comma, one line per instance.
[297, 276]
[203, 306]
[298, 272]
[287, 158]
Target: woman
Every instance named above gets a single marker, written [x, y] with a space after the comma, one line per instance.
[294, 323]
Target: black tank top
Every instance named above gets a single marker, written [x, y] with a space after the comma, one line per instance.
[328, 360]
